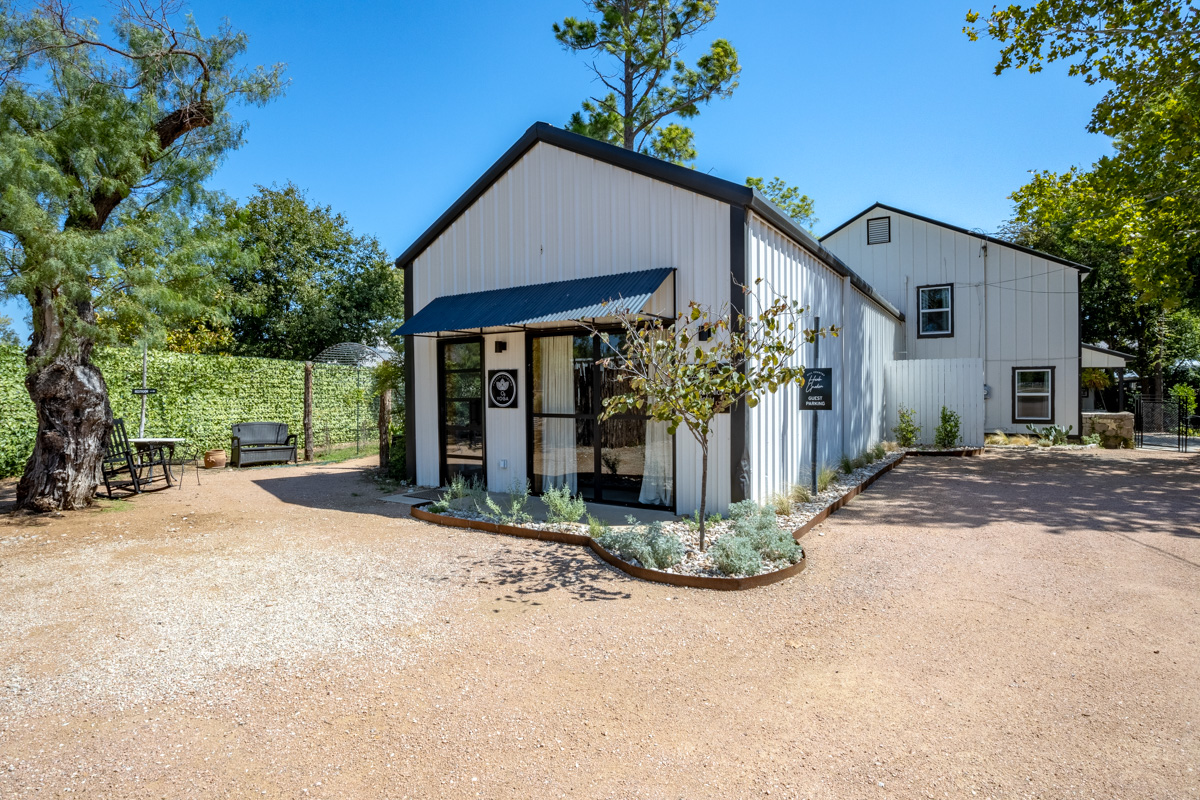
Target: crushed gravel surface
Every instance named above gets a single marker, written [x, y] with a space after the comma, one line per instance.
[998, 626]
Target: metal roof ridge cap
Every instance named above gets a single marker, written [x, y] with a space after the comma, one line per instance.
[1108, 350]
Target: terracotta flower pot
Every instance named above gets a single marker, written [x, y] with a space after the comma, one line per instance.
[214, 459]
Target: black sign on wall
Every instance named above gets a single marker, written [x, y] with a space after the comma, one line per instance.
[817, 392]
[502, 388]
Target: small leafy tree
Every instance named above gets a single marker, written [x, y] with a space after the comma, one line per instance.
[947, 433]
[705, 363]
[649, 81]
[1184, 395]
[907, 430]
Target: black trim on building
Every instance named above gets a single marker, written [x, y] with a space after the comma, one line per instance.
[948, 226]
[725, 191]
[947, 334]
[739, 456]
[1053, 396]
[410, 390]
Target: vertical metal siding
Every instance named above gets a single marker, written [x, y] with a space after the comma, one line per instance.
[505, 427]
[1030, 316]
[556, 215]
[778, 434]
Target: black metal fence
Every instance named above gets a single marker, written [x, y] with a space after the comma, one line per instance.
[1163, 424]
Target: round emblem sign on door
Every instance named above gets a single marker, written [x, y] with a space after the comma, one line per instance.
[502, 388]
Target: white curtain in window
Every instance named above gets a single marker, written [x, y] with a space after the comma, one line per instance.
[558, 397]
[658, 464]
[656, 472]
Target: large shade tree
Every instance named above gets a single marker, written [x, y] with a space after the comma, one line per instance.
[312, 282]
[637, 48]
[1145, 198]
[106, 137]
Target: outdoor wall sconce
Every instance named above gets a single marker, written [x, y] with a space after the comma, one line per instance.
[501, 345]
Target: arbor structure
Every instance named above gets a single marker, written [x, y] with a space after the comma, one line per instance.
[686, 371]
[638, 45]
[311, 283]
[1145, 198]
[105, 141]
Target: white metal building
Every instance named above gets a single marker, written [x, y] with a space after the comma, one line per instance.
[502, 380]
[968, 295]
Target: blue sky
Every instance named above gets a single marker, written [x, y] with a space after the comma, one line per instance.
[394, 109]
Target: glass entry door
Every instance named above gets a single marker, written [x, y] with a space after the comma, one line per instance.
[626, 460]
[460, 405]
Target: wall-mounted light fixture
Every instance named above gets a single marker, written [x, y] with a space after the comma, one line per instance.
[501, 345]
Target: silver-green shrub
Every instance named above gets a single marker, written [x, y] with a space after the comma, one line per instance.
[735, 555]
[514, 511]
[561, 506]
[648, 545]
[743, 508]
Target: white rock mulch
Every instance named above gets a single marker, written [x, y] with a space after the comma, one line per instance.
[700, 563]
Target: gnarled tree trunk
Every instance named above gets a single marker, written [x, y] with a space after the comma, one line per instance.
[71, 398]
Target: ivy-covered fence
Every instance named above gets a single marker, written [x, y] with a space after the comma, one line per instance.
[198, 398]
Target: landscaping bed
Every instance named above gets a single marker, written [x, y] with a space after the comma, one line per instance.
[754, 546]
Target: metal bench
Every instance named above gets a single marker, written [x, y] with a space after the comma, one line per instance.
[261, 443]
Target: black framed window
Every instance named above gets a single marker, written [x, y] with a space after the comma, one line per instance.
[935, 309]
[1033, 394]
[460, 406]
[627, 459]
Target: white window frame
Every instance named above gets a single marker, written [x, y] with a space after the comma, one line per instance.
[948, 310]
[1048, 394]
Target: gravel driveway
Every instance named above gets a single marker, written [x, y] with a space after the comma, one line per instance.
[1016, 625]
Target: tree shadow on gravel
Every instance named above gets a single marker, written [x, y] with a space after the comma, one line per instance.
[344, 490]
[1063, 492]
[569, 568]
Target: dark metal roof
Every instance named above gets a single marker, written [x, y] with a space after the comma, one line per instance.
[560, 301]
[1082, 268]
[735, 194]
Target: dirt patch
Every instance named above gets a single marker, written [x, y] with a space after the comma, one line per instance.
[1004, 626]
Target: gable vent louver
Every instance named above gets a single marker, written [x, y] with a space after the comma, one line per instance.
[879, 230]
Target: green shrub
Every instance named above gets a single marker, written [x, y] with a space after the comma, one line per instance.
[907, 430]
[463, 494]
[561, 506]
[861, 460]
[648, 545]
[735, 555]
[396, 468]
[847, 464]
[878, 452]
[514, 511]
[1092, 439]
[947, 433]
[766, 537]
[596, 528]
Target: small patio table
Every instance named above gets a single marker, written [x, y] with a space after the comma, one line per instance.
[147, 443]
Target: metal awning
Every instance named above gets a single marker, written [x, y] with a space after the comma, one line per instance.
[560, 301]
[1099, 357]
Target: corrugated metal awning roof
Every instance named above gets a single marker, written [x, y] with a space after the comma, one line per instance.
[560, 301]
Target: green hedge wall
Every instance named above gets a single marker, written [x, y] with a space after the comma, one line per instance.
[198, 398]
